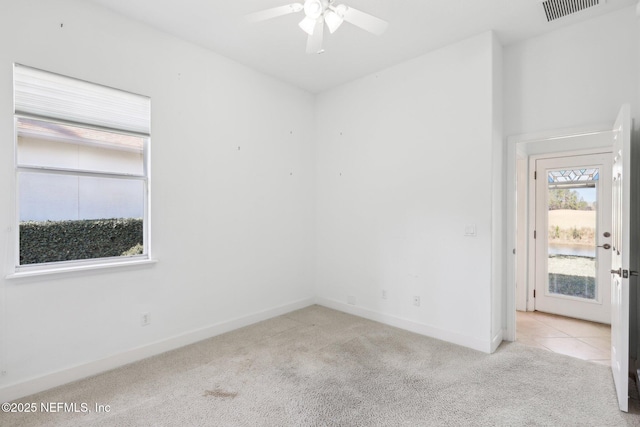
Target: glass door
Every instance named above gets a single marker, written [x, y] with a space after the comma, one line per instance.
[573, 236]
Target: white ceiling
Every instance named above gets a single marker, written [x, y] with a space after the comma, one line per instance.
[277, 47]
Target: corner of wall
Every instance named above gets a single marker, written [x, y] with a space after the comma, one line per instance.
[498, 225]
[488, 346]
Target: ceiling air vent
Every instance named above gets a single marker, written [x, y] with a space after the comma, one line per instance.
[555, 9]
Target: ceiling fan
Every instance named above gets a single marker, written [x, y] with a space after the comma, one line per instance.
[321, 12]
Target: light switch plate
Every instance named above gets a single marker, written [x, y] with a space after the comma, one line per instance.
[470, 230]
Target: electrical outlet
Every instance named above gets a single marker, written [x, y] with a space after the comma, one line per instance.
[145, 319]
[416, 301]
[384, 294]
[351, 300]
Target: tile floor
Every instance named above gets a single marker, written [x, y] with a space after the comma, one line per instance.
[572, 337]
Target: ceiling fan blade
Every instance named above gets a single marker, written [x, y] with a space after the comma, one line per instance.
[314, 41]
[274, 12]
[365, 21]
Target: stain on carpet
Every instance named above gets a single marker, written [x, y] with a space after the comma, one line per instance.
[220, 394]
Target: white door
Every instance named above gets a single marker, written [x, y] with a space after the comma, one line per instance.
[620, 256]
[573, 236]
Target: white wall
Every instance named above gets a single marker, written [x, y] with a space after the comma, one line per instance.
[405, 162]
[572, 77]
[232, 199]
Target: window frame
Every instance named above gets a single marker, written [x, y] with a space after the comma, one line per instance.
[88, 263]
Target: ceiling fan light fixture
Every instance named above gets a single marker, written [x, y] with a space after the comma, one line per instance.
[313, 9]
[308, 25]
[333, 21]
[318, 13]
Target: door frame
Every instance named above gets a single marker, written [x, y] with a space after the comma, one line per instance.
[583, 140]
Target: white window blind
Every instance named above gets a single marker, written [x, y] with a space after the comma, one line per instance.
[43, 94]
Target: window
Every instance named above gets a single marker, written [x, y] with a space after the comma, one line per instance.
[82, 173]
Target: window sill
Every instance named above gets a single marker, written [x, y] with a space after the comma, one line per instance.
[77, 268]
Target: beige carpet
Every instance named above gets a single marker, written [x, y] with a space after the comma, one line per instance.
[319, 367]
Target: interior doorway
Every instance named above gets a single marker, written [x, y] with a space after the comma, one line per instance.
[616, 143]
[521, 149]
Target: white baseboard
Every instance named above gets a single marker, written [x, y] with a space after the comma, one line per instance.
[45, 382]
[497, 340]
[409, 325]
